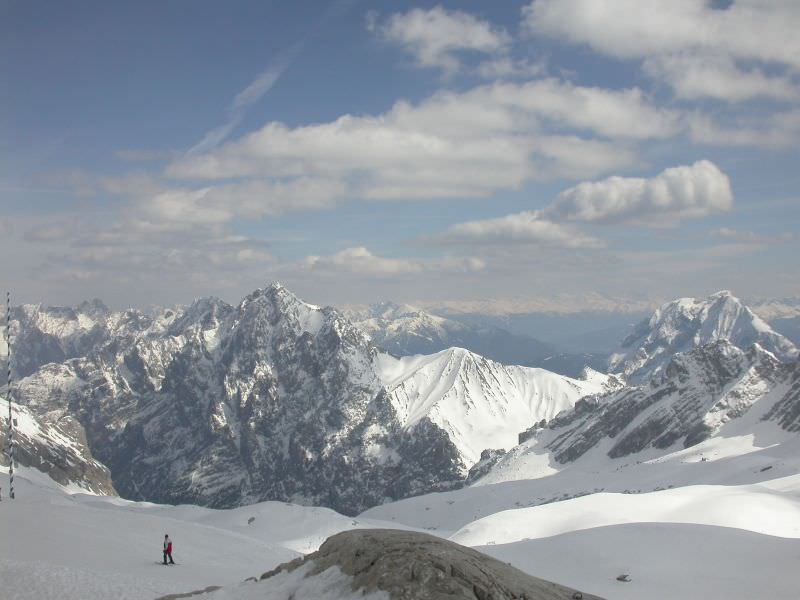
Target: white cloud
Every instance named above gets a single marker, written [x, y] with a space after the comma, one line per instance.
[713, 75]
[748, 29]
[435, 37]
[506, 67]
[615, 114]
[470, 144]
[774, 130]
[217, 205]
[360, 261]
[526, 227]
[674, 194]
[49, 232]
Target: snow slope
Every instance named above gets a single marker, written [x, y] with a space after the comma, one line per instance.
[479, 403]
[738, 458]
[664, 561]
[56, 544]
[771, 508]
[90, 547]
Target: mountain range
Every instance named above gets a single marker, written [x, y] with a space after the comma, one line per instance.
[405, 330]
[274, 398]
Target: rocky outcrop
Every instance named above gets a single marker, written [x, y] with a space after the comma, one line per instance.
[417, 566]
[59, 450]
[697, 393]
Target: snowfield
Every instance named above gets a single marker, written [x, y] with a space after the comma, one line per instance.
[61, 545]
[696, 541]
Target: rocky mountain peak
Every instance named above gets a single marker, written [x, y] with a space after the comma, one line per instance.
[94, 307]
[686, 323]
[203, 314]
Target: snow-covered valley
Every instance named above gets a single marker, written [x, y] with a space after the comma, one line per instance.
[693, 542]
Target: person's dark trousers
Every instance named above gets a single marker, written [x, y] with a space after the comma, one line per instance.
[172, 562]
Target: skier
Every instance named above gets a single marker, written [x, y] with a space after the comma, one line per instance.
[168, 550]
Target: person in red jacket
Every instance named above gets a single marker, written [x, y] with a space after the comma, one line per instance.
[168, 550]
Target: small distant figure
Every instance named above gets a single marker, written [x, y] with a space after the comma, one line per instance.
[168, 550]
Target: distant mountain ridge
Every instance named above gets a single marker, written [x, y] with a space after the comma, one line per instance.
[405, 330]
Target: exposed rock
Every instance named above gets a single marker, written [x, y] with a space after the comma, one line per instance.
[698, 392]
[489, 458]
[417, 566]
[58, 449]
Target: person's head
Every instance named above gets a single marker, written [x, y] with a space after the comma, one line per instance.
[166, 535]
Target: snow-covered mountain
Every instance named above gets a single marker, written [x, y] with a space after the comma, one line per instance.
[53, 334]
[278, 399]
[479, 403]
[714, 392]
[683, 324]
[57, 449]
[776, 308]
[405, 330]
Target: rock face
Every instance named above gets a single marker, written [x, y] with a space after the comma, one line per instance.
[417, 566]
[404, 330]
[59, 450]
[277, 399]
[686, 323]
[42, 335]
[697, 394]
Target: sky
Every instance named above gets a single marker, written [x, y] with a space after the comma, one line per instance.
[513, 156]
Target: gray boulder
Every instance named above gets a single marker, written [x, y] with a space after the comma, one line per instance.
[416, 566]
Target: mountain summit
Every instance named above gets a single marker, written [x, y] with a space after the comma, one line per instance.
[278, 399]
[686, 323]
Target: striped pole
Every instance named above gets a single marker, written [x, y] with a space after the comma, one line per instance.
[8, 394]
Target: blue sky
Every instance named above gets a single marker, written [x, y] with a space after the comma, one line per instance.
[521, 155]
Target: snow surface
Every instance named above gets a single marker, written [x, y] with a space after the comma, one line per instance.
[767, 454]
[755, 508]
[663, 561]
[738, 540]
[56, 544]
[479, 403]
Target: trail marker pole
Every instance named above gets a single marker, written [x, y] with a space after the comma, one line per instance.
[10, 439]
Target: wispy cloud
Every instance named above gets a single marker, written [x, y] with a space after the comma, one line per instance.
[257, 89]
